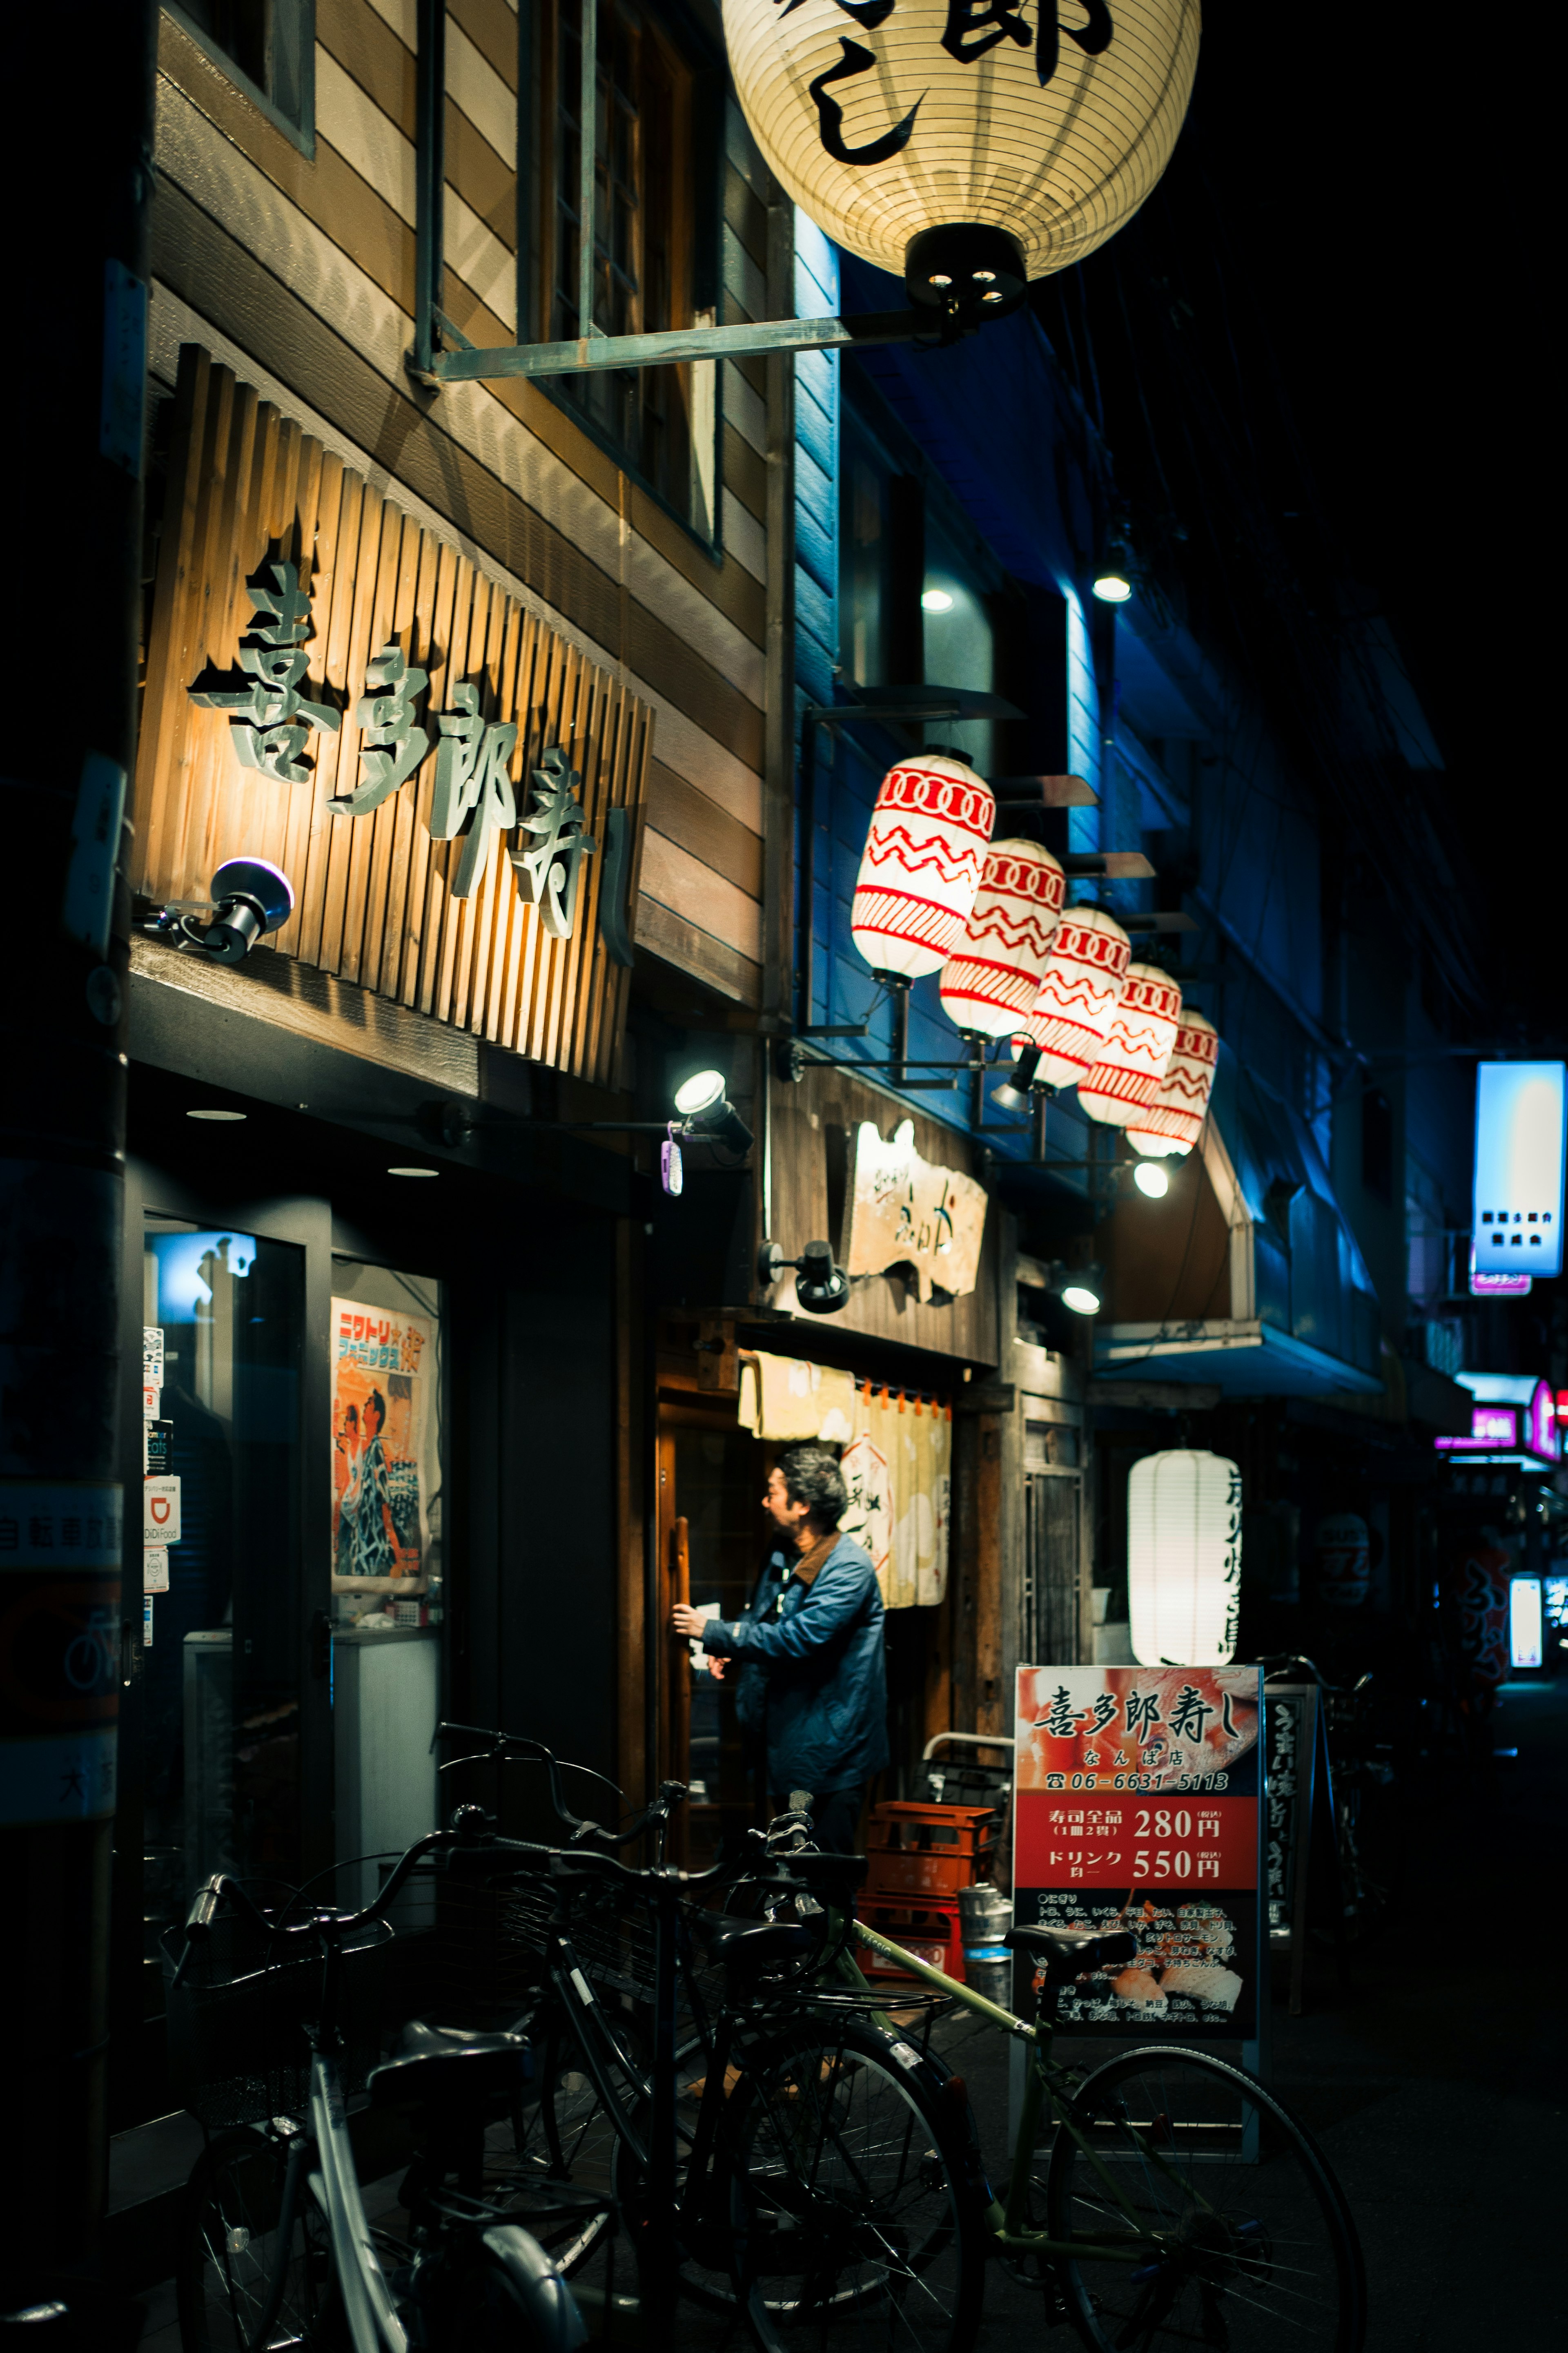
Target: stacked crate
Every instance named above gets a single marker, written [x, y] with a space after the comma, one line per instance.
[918, 1857]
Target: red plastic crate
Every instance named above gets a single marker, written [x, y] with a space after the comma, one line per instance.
[892, 1873]
[903, 1826]
[932, 1932]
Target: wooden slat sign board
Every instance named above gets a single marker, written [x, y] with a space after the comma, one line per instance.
[283, 655]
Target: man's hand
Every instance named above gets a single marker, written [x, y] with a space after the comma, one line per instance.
[686, 1620]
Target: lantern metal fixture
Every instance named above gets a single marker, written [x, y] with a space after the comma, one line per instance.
[967, 152]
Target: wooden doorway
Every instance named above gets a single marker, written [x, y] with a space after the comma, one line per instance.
[712, 1541]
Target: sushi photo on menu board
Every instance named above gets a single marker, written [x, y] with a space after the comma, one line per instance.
[1136, 1809]
[382, 1361]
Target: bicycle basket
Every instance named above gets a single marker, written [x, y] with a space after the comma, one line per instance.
[235, 2025]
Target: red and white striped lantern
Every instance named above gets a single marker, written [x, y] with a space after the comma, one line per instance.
[1125, 1081]
[922, 864]
[1174, 1121]
[1084, 975]
[992, 979]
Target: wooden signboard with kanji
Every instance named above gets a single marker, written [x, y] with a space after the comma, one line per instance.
[454, 791]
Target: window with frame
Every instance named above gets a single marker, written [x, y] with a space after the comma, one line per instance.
[268, 48]
[655, 190]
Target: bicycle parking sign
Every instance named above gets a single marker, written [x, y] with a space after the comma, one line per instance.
[1136, 1807]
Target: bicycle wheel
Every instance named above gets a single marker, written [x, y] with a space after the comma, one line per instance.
[229, 2248]
[854, 2194]
[1252, 2247]
[565, 2134]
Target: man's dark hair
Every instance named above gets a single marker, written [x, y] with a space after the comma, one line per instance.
[376, 1399]
[811, 1477]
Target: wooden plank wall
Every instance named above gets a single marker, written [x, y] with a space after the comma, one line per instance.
[307, 263]
[813, 1128]
[372, 899]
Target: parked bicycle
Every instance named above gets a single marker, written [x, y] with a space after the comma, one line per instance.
[277, 2249]
[1180, 2204]
[1364, 1793]
[775, 2145]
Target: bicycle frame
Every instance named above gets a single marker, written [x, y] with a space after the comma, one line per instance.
[1046, 2084]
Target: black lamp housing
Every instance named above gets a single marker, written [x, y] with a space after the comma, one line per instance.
[822, 1287]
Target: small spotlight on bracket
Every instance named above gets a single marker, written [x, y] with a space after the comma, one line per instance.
[822, 1288]
[707, 1115]
[249, 896]
[1080, 1289]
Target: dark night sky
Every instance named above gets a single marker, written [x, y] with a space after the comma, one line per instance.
[1368, 185]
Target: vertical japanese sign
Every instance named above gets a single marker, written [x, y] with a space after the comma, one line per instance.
[1136, 1809]
[383, 1361]
[1522, 1144]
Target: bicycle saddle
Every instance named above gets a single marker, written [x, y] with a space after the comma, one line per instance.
[436, 2066]
[752, 1944]
[1070, 1953]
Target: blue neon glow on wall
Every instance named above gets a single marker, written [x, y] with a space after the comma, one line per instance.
[1522, 1126]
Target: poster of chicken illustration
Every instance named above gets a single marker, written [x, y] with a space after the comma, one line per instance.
[382, 1364]
[1136, 1811]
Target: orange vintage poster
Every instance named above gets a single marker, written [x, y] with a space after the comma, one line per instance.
[383, 1363]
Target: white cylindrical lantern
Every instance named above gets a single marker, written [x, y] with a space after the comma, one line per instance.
[883, 122]
[990, 982]
[920, 868]
[1183, 1557]
[1174, 1119]
[1126, 1079]
[1081, 987]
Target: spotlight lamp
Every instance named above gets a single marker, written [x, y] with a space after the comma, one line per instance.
[822, 1288]
[249, 896]
[1152, 1178]
[1113, 575]
[706, 1115]
[1080, 1289]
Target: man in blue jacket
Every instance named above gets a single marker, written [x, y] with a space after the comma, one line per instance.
[811, 1674]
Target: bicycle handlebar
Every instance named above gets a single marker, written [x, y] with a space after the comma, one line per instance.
[1273, 1661]
[512, 1748]
[220, 1890]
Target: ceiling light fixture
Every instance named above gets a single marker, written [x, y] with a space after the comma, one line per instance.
[413, 1172]
[1152, 1177]
[215, 1114]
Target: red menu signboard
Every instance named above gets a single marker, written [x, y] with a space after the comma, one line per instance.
[1136, 1809]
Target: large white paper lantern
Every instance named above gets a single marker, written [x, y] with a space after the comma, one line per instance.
[891, 118]
[920, 868]
[990, 982]
[1183, 1557]
[1174, 1121]
[1081, 987]
[1126, 1079]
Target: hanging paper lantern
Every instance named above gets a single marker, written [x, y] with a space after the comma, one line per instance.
[1183, 1557]
[927, 117]
[1126, 1079]
[922, 864]
[1084, 975]
[1174, 1119]
[990, 982]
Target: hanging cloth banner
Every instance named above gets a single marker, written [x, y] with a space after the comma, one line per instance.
[785, 1399]
[899, 1471]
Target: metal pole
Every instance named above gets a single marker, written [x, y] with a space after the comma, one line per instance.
[587, 139]
[429, 179]
[67, 1640]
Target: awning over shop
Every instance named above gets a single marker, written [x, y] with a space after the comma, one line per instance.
[1246, 1273]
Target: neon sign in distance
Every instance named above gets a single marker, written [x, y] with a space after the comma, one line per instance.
[1521, 1130]
[1524, 1626]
